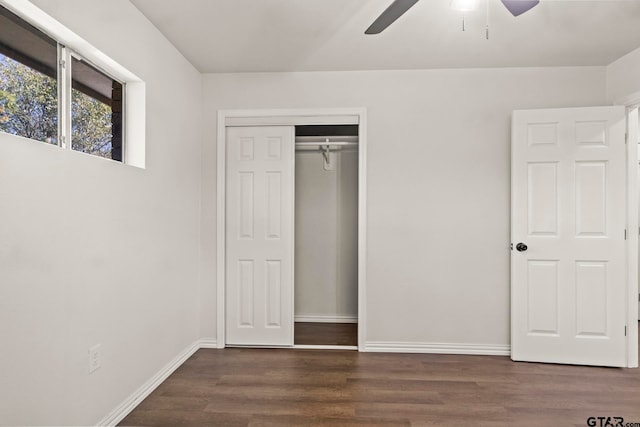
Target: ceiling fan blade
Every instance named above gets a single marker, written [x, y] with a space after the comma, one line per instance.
[518, 7]
[388, 17]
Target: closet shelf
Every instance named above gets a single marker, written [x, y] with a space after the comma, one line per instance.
[314, 141]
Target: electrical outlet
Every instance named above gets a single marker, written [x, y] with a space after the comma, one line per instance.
[95, 357]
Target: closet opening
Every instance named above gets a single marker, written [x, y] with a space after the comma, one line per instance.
[326, 235]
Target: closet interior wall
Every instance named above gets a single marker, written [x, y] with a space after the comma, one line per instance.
[326, 236]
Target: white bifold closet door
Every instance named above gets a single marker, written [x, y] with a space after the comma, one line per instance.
[259, 235]
[568, 262]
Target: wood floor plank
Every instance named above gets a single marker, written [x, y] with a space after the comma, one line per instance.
[280, 421]
[308, 333]
[282, 407]
[175, 418]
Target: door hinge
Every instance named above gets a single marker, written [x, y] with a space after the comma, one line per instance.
[626, 138]
[63, 63]
[625, 234]
[625, 330]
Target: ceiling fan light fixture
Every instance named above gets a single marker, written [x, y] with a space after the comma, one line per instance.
[464, 5]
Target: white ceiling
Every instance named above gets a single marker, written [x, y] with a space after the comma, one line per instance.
[328, 35]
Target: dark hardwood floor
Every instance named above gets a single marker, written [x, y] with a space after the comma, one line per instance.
[325, 333]
[262, 387]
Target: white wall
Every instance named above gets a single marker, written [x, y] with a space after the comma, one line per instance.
[92, 251]
[326, 234]
[438, 177]
[623, 78]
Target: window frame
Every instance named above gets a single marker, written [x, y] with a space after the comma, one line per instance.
[65, 88]
[133, 103]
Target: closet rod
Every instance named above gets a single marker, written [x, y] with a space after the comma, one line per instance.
[324, 140]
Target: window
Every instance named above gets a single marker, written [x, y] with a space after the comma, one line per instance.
[96, 111]
[36, 101]
[28, 81]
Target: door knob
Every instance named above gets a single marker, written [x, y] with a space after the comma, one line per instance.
[521, 247]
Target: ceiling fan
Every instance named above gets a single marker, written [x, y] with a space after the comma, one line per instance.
[399, 7]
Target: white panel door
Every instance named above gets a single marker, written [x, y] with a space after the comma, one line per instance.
[568, 261]
[259, 235]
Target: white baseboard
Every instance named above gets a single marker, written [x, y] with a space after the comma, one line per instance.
[321, 318]
[119, 413]
[437, 348]
[208, 343]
